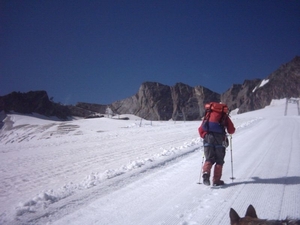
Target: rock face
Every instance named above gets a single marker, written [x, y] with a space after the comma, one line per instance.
[33, 101]
[240, 95]
[155, 101]
[256, 94]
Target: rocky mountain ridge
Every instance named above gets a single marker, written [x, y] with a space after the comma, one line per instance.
[256, 94]
[155, 101]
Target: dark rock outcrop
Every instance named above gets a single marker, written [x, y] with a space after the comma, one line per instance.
[87, 110]
[256, 94]
[239, 95]
[33, 102]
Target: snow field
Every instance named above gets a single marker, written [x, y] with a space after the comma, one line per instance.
[106, 171]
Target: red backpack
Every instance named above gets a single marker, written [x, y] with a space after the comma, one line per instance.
[216, 112]
[217, 107]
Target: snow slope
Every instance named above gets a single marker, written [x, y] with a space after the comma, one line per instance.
[112, 171]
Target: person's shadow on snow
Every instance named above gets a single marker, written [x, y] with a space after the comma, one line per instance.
[294, 180]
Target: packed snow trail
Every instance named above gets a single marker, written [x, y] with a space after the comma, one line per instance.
[267, 175]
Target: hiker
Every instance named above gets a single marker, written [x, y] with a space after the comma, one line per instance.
[213, 131]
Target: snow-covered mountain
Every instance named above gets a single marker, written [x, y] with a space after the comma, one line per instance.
[113, 171]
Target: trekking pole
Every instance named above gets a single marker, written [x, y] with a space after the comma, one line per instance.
[201, 168]
[232, 177]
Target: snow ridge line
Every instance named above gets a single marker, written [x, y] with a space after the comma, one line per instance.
[44, 200]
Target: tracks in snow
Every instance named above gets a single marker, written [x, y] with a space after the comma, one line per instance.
[171, 195]
[29, 173]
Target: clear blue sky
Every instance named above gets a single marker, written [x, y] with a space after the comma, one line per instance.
[100, 51]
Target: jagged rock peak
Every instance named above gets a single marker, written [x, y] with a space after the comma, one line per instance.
[156, 101]
[256, 94]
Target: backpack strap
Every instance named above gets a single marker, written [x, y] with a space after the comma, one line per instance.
[206, 118]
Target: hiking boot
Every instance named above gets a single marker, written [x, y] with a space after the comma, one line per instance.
[218, 183]
[206, 180]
